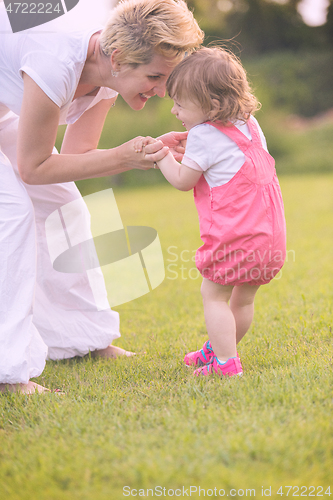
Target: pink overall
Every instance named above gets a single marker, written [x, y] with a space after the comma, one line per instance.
[242, 222]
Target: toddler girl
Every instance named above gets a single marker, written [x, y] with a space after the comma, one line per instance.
[237, 195]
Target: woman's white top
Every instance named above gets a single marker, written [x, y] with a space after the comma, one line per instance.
[53, 60]
[215, 154]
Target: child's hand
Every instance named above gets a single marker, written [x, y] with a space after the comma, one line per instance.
[139, 144]
[154, 150]
[176, 141]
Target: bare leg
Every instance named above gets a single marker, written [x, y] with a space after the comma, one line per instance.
[112, 352]
[242, 307]
[220, 321]
[29, 388]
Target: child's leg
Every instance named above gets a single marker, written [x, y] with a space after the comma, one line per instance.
[242, 307]
[220, 321]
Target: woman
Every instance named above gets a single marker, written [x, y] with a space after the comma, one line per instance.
[45, 80]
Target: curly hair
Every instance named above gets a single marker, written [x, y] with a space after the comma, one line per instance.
[215, 79]
[139, 29]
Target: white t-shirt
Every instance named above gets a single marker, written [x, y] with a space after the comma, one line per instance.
[53, 60]
[215, 154]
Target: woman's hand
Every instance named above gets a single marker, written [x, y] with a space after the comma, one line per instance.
[176, 142]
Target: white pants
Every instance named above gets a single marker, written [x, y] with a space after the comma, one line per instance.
[41, 310]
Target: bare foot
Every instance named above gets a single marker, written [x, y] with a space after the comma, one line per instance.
[29, 388]
[111, 351]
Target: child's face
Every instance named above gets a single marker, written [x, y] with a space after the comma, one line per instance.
[188, 112]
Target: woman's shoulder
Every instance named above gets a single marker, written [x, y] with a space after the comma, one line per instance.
[55, 61]
[69, 47]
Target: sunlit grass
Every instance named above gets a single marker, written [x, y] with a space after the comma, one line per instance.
[146, 422]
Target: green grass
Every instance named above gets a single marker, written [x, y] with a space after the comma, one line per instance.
[146, 422]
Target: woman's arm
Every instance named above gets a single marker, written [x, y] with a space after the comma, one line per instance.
[39, 119]
[83, 136]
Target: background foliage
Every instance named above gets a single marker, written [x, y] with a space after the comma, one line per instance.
[290, 66]
[261, 26]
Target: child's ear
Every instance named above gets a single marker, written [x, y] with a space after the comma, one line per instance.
[215, 108]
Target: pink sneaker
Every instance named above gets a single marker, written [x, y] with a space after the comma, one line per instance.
[201, 357]
[231, 367]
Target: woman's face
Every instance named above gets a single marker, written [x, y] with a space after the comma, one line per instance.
[137, 85]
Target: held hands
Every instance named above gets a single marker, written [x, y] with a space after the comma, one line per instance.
[156, 149]
[131, 159]
[179, 175]
[152, 149]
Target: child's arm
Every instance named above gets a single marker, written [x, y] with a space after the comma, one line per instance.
[181, 177]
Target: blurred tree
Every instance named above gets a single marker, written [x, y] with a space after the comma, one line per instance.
[267, 26]
[208, 14]
[329, 22]
[259, 26]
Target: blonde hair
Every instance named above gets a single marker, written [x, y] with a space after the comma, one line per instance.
[141, 28]
[215, 79]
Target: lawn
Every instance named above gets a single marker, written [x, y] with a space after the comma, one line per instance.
[135, 426]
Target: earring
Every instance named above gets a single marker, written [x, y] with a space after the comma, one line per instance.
[114, 73]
